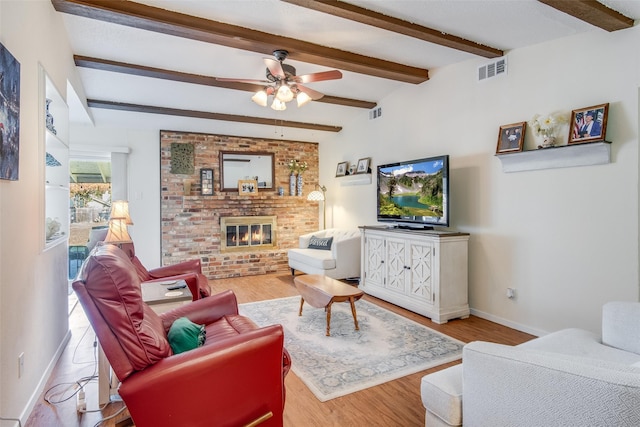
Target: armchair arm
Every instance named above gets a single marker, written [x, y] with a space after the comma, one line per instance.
[506, 385]
[190, 266]
[620, 320]
[203, 311]
[346, 247]
[227, 383]
[196, 283]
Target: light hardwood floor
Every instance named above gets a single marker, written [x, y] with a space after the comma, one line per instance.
[396, 403]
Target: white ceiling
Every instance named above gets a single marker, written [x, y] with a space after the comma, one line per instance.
[501, 24]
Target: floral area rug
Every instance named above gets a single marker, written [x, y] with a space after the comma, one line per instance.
[387, 346]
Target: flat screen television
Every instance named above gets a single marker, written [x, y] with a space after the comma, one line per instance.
[414, 193]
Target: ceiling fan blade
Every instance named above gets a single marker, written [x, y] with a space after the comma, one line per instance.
[275, 67]
[318, 77]
[223, 79]
[314, 94]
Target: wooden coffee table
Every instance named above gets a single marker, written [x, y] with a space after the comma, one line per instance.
[321, 291]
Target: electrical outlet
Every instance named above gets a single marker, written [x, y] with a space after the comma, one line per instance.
[20, 364]
[511, 293]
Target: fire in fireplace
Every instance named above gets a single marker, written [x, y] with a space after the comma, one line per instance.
[247, 233]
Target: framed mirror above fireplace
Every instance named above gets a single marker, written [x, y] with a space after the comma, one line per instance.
[239, 165]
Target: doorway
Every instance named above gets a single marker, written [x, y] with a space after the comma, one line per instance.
[89, 204]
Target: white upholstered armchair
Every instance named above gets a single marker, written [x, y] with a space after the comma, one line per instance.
[567, 378]
[340, 260]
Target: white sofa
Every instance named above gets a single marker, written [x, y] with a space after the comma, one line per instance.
[567, 378]
[341, 262]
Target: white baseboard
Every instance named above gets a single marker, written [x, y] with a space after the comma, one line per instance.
[33, 400]
[509, 323]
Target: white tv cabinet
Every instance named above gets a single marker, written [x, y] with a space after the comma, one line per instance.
[424, 271]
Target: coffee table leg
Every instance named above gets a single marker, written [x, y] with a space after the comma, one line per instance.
[353, 311]
[328, 318]
[301, 304]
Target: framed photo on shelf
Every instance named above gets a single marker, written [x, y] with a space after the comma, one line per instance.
[511, 138]
[248, 187]
[341, 170]
[206, 182]
[588, 124]
[363, 165]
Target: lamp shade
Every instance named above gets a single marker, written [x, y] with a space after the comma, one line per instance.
[260, 98]
[278, 105]
[315, 196]
[120, 209]
[284, 93]
[302, 99]
[118, 232]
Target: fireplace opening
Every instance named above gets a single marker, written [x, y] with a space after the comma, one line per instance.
[247, 233]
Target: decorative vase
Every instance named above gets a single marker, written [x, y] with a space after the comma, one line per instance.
[548, 141]
[300, 184]
[49, 118]
[292, 184]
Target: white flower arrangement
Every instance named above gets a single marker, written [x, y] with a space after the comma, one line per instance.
[546, 125]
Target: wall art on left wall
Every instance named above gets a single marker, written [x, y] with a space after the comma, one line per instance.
[9, 115]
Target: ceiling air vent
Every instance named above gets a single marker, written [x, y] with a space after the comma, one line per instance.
[494, 68]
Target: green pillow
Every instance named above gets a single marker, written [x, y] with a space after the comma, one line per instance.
[184, 335]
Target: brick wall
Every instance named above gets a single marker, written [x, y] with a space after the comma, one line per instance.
[191, 224]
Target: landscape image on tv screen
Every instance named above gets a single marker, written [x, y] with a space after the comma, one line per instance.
[412, 189]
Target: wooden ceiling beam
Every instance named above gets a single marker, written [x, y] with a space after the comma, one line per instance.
[150, 18]
[137, 108]
[159, 73]
[593, 12]
[385, 22]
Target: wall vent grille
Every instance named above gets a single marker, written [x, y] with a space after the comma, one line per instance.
[492, 69]
[375, 113]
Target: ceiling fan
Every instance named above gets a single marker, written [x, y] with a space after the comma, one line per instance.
[286, 85]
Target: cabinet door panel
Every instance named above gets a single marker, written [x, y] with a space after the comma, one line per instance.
[421, 270]
[396, 265]
[374, 261]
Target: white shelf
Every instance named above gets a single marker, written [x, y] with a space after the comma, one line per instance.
[357, 179]
[564, 156]
[56, 166]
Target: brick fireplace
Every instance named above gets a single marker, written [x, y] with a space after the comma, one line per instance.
[191, 224]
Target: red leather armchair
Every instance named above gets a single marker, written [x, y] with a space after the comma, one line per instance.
[235, 378]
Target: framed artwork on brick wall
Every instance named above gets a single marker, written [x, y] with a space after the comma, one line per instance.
[206, 182]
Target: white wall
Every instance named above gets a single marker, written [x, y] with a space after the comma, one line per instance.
[566, 239]
[33, 282]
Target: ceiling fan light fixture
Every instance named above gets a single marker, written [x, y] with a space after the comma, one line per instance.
[278, 105]
[260, 98]
[302, 99]
[284, 93]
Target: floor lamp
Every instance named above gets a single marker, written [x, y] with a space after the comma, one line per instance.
[319, 196]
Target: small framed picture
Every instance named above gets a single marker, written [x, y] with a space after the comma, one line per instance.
[363, 165]
[248, 187]
[341, 170]
[588, 124]
[511, 138]
[206, 182]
